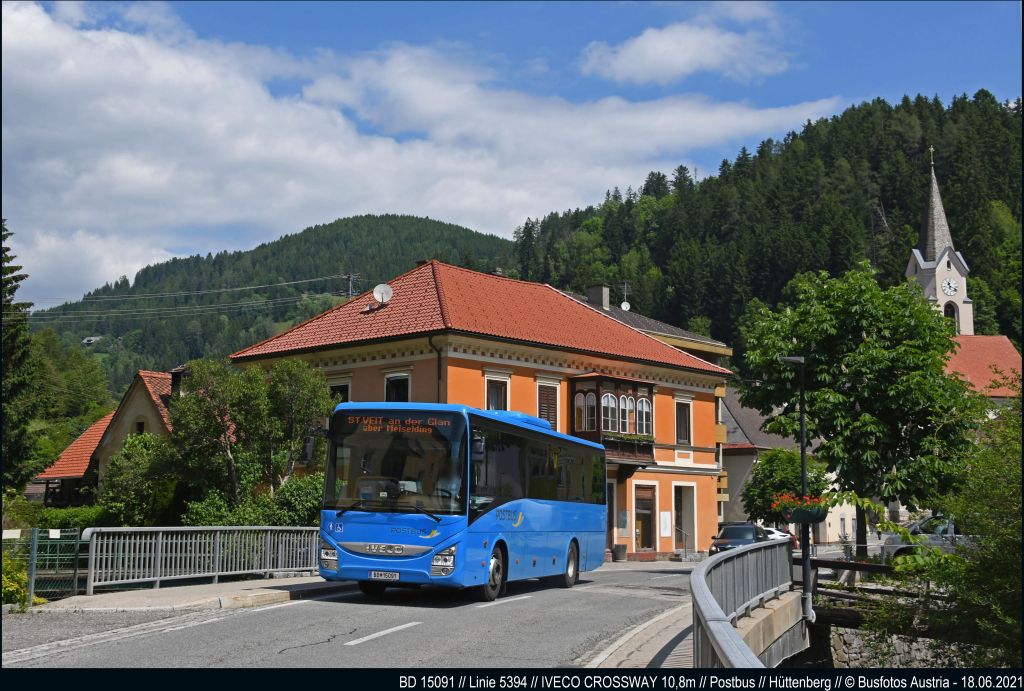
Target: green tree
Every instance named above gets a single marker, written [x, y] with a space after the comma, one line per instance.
[893, 424]
[777, 471]
[300, 401]
[138, 485]
[976, 621]
[18, 375]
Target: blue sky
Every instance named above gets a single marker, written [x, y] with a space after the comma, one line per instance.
[133, 132]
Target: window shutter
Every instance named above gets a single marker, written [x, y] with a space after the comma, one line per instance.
[547, 404]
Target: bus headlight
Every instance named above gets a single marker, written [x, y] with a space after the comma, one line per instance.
[328, 556]
[443, 563]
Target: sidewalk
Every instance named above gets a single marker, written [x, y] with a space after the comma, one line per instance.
[231, 595]
[665, 641]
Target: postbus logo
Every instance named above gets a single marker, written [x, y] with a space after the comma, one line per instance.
[422, 533]
[507, 515]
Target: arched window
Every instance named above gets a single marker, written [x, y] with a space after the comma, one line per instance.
[627, 414]
[591, 417]
[951, 313]
[609, 413]
[643, 417]
[579, 403]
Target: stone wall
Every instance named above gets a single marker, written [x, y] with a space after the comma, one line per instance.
[850, 650]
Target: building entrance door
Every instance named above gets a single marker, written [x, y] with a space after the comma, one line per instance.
[643, 517]
[685, 537]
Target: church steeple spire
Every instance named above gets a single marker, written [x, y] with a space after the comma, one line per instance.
[934, 236]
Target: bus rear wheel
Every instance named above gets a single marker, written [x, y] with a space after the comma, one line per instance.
[572, 568]
[372, 589]
[490, 590]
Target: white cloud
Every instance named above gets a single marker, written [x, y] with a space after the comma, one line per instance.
[674, 52]
[129, 143]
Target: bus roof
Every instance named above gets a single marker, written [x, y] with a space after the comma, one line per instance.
[509, 417]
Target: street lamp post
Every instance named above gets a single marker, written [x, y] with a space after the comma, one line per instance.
[805, 528]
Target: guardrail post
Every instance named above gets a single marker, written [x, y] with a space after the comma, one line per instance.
[216, 556]
[158, 570]
[266, 554]
[33, 552]
[90, 576]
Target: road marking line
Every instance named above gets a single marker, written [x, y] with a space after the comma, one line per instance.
[671, 575]
[607, 652]
[504, 600]
[383, 633]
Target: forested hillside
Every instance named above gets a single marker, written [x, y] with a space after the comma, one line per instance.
[848, 188]
[188, 308]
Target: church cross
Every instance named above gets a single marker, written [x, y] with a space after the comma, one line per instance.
[931, 154]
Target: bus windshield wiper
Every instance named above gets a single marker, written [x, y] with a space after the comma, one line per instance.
[424, 511]
[353, 505]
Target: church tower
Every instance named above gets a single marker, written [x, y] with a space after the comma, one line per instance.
[938, 267]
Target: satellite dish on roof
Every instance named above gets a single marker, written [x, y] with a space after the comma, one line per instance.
[625, 306]
[382, 292]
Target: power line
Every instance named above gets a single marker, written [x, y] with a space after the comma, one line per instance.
[183, 293]
[165, 312]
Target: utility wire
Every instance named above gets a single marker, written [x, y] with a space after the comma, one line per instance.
[182, 293]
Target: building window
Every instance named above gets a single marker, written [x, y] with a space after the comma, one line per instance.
[609, 413]
[683, 423]
[341, 392]
[140, 427]
[643, 417]
[591, 418]
[396, 388]
[547, 404]
[497, 394]
[628, 422]
[579, 406]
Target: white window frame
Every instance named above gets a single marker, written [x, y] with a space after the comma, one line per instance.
[347, 381]
[395, 373]
[586, 418]
[614, 427]
[675, 414]
[499, 375]
[650, 415]
[556, 383]
[579, 402]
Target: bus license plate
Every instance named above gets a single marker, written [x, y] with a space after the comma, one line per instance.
[383, 575]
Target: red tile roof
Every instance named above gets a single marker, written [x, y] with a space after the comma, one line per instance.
[977, 355]
[437, 297]
[158, 384]
[74, 461]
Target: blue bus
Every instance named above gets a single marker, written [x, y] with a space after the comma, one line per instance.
[448, 495]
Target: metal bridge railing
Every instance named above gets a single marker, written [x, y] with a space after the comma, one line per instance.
[727, 586]
[118, 556]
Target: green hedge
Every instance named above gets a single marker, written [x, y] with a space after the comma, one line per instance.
[80, 517]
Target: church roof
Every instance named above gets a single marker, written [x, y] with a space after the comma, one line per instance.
[979, 360]
[935, 235]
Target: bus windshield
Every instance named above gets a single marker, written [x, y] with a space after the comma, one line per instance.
[397, 461]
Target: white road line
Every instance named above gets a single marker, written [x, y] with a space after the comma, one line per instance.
[671, 575]
[504, 600]
[385, 632]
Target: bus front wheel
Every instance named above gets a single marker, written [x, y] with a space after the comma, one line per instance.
[495, 577]
[372, 589]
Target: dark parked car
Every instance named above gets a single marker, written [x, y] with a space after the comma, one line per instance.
[732, 535]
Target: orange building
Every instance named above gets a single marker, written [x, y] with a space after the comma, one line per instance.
[452, 335]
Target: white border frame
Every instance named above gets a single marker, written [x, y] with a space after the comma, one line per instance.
[696, 526]
[654, 512]
[396, 373]
[556, 382]
[501, 375]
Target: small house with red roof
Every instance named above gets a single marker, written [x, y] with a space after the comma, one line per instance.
[81, 466]
[452, 335]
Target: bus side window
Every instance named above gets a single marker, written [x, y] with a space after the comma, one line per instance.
[542, 483]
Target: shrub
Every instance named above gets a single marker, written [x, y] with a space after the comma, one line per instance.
[80, 517]
[15, 581]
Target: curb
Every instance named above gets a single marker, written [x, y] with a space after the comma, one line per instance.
[237, 601]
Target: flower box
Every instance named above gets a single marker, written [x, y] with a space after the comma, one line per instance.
[808, 515]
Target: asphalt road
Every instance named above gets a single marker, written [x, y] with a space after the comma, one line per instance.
[533, 625]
